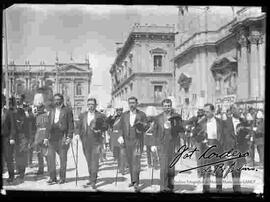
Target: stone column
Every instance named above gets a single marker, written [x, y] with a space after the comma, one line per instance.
[261, 47]
[254, 63]
[243, 71]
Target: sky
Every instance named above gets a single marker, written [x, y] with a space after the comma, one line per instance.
[37, 32]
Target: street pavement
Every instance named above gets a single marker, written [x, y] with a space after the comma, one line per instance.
[186, 182]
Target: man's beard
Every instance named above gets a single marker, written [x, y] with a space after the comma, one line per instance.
[91, 110]
[132, 108]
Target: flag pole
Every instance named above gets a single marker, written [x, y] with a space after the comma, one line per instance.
[6, 58]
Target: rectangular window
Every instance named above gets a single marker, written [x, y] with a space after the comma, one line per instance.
[158, 92]
[157, 62]
[187, 101]
[78, 89]
[194, 98]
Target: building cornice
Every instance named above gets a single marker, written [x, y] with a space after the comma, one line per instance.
[139, 33]
[214, 38]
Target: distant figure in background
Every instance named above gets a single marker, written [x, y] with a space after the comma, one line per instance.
[32, 121]
[190, 125]
[42, 120]
[259, 136]
[149, 139]
[116, 131]
[8, 132]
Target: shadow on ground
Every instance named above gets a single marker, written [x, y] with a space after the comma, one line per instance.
[109, 180]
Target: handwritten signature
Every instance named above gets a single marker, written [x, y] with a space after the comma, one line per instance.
[227, 156]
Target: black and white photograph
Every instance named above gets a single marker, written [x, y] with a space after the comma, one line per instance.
[133, 98]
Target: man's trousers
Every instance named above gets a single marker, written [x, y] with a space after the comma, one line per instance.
[57, 146]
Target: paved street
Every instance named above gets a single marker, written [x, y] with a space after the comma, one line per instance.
[187, 182]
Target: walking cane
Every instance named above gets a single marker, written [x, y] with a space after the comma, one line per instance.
[77, 158]
[116, 173]
[152, 170]
[74, 161]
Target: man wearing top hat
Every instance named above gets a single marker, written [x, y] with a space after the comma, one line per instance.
[167, 127]
[133, 125]
[91, 125]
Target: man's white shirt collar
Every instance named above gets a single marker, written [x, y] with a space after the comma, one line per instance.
[90, 117]
[132, 117]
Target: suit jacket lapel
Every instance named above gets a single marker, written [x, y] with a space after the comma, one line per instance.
[85, 120]
[218, 129]
[162, 119]
[52, 116]
[61, 113]
[137, 117]
[127, 118]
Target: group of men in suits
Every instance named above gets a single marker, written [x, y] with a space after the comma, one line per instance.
[220, 137]
[129, 128]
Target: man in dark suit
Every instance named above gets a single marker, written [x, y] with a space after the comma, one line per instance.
[22, 136]
[115, 132]
[133, 125]
[91, 125]
[167, 127]
[8, 131]
[236, 137]
[190, 124]
[59, 132]
[210, 133]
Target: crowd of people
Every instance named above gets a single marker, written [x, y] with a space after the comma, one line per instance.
[49, 130]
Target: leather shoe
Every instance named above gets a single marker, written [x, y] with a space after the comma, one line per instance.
[131, 184]
[93, 185]
[39, 172]
[10, 179]
[51, 181]
[136, 188]
[62, 181]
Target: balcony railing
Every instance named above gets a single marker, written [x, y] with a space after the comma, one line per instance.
[153, 28]
[157, 68]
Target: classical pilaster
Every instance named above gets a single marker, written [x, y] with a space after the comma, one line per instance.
[262, 66]
[254, 38]
[243, 90]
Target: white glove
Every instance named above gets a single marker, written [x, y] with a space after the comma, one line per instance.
[77, 137]
[153, 148]
[255, 129]
[46, 141]
[120, 140]
[68, 140]
[11, 141]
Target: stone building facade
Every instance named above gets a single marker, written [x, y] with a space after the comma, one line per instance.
[225, 65]
[70, 79]
[143, 67]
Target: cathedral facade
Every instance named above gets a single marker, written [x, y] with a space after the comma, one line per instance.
[70, 79]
